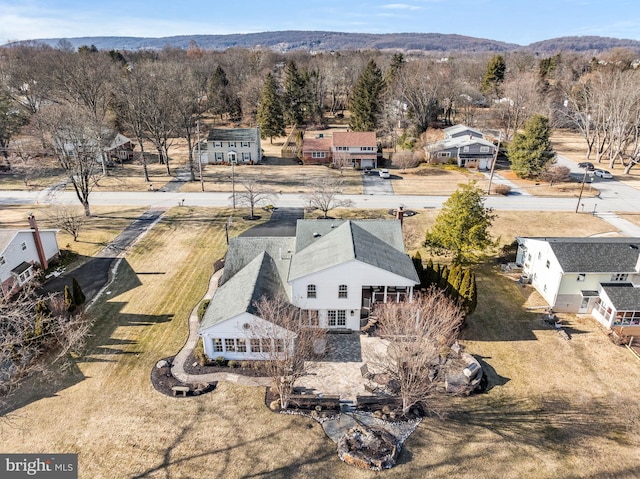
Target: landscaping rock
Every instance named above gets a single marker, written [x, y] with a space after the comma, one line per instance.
[163, 363]
[369, 448]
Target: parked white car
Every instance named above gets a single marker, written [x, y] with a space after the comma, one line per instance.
[384, 173]
[603, 174]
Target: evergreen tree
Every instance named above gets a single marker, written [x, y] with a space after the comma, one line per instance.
[68, 299]
[294, 95]
[269, 115]
[472, 295]
[444, 278]
[454, 281]
[365, 99]
[465, 288]
[494, 76]
[462, 226]
[219, 96]
[417, 262]
[531, 152]
[430, 274]
[78, 296]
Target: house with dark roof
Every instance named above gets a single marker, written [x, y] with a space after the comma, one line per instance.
[233, 145]
[21, 251]
[461, 131]
[332, 270]
[600, 276]
[468, 151]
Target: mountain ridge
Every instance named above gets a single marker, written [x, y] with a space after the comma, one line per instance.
[291, 40]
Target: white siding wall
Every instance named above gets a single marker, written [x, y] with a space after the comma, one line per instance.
[234, 329]
[15, 255]
[545, 279]
[355, 275]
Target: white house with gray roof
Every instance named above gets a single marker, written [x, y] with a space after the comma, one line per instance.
[233, 145]
[600, 276]
[333, 270]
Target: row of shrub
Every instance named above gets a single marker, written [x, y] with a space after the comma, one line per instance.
[458, 282]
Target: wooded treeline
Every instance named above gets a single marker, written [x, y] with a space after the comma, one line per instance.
[72, 100]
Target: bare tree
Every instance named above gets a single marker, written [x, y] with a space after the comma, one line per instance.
[418, 334]
[342, 160]
[68, 218]
[286, 343]
[36, 332]
[254, 194]
[556, 174]
[406, 159]
[323, 194]
[70, 132]
[24, 163]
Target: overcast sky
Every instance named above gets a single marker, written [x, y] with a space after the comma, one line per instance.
[515, 21]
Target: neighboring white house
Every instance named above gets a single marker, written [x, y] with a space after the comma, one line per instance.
[333, 270]
[20, 251]
[600, 276]
[233, 145]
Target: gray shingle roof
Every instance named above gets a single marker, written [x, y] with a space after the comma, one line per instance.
[234, 134]
[595, 255]
[239, 294]
[623, 296]
[377, 243]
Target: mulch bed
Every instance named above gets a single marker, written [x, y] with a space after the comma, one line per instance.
[189, 368]
[163, 381]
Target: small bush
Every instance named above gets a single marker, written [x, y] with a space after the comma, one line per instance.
[220, 361]
[245, 364]
[257, 364]
[502, 189]
[233, 364]
[202, 308]
[199, 354]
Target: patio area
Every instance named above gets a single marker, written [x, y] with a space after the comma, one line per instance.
[339, 373]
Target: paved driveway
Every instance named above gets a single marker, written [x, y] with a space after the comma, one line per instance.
[282, 223]
[374, 185]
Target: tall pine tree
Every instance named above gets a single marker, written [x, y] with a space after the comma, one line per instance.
[494, 76]
[294, 95]
[270, 119]
[530, 152]
[365, 99]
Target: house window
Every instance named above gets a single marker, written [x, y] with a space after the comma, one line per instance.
[255, 345]
[230, 345]
[580, 277]
[232, 144]
[266, 345]
[310, 317]
[2, 261]
[548, 263]
[219, 156]
[342, 148]
[317, 154]
[246, 156]
[444, 154]
[24, 276]
[242, 345]
[217, 144]
[465, 149]
[311, 291]
[337, 318]
[23, 246]
[217, 345]
[279, 345]
[619, 277]
[244, 144]
[484, 149]
[342, 291]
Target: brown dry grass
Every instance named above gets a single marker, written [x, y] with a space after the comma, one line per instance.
[278, 179]
[105, 224]
[542, 188]
[433, 180]
[556, 409]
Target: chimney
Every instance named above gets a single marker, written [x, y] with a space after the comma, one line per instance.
[38, 241]
[400, 214]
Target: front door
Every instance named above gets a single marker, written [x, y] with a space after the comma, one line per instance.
[584, 305]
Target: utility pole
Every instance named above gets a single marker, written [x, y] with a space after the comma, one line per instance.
[233, 184]
[199, 156]
[493, 163]
[584, 178]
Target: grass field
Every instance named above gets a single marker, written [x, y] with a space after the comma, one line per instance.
[555, 408]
